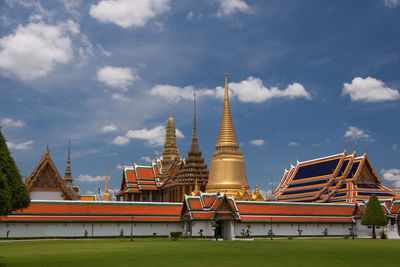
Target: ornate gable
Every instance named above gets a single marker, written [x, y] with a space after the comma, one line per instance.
[366, 174]
[46, 177]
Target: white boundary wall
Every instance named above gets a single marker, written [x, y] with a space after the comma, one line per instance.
[57, 229]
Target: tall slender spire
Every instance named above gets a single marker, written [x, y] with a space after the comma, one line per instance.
[106, 195]
[195, 142]
[68, 173]
[227, 137]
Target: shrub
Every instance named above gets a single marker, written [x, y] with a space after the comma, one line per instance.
[175, 235]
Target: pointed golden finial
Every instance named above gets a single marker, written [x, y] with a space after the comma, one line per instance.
[345, 148]
[366, 149]
[227, 137]
[355, 149]
[106, 195]
[297, 159]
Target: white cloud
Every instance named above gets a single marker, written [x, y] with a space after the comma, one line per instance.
[117, 77]
[154, 136]
[120, 167]
[257, 142]
[395, 147]
[392, 175]
[21, 146]
[293, 144]
[356, 133]
[109, 128]
[173, 93]
[250, 90]
[228, 7]
[12, 123]
[369, 90]
[43, 44]
[391, 3]
[90, 179]
[253, 90]
[146, 159]
[121, 140]
[127, 13]
[103, 51]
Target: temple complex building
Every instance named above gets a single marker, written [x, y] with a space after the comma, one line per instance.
[341, 178]
[46, 183]
[192, 172]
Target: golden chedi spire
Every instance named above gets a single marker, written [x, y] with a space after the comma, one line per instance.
[227, 167]
[227, 137]
[170, 151]
[106, 195]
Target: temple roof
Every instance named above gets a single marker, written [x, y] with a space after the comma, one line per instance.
[45, 177]
[340, 178]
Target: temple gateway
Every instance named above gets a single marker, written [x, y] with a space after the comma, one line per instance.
[320, 197]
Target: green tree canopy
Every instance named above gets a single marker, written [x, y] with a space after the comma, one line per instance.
[374, 214]
[14, 194]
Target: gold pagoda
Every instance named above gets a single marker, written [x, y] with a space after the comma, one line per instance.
[227, 167]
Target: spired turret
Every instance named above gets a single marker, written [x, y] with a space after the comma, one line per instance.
[170, 151]
[227, 167]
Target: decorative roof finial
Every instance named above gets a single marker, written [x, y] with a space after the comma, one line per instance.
[366, 149]
[106, 195]
[355, 149]
[297, 159]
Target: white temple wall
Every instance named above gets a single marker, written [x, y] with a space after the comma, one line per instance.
[56, 229]
[46, 195]
[208, 230]
[291, 229]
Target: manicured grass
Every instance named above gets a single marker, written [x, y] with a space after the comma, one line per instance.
[164, 252]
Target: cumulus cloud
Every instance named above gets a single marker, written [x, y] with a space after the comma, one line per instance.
[257, 142]
[12, 123]
[392, 175]
[20, 146]
[395, 147]
[121, 140]
[154, 136]
[391, 3]
[228, 7]
[45, 45]
[293, 144]
[88, 178]
[109, 128]
[369, 90]
[356, 133]
[117, 77]
[250, 90]
[127, 13]
[172, 93]
[146, 159]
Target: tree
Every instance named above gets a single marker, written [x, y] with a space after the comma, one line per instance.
[14, 194]
[374, 214]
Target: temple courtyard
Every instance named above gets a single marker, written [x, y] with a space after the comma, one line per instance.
[165, 252]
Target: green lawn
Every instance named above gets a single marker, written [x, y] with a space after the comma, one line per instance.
[164, 252]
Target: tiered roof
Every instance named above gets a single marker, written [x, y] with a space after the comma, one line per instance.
[210, 206]
[170, 151]
[136, 178]
[88, 211]
[340, 178]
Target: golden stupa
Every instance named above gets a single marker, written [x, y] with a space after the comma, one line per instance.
[227, 168]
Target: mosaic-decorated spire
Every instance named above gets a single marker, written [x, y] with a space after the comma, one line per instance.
[170, 151]
[68, 173]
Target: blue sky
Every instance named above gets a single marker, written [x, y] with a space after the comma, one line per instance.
[304, 77]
